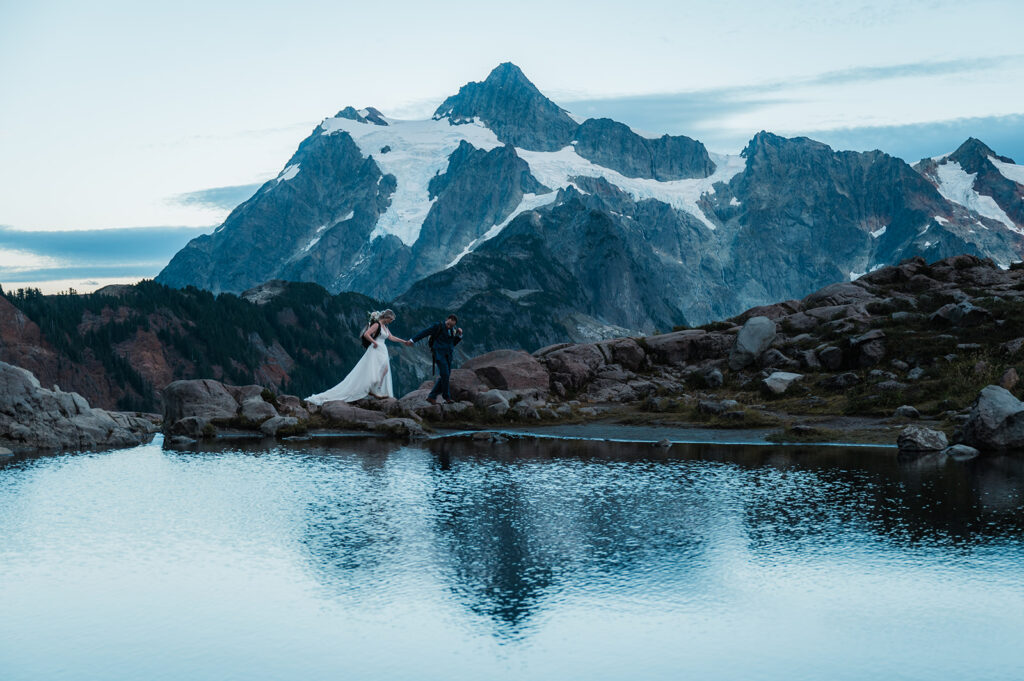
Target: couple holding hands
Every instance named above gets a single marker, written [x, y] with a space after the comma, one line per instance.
[371, 376]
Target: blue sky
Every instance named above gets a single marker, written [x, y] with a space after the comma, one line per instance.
[133, 115]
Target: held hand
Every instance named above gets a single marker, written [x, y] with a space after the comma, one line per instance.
[409, 343]
[374, 343]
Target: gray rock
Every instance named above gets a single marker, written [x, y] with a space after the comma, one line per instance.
[33, 417]
[890, 386]
[498, 409]
[664, 443]
[907, 412]
[780, 381]
[711, 407]
[961, 452]
[840, 381]
[190, 426]
[996, 421]
[964, 314]
[276, 423]
[919, 439]
[915, 374]
[1009, 379]
[831, 357]
[256, 410]
[899, 365]
[809, 360]
[398, 427]
[754, 338]
[204, 398]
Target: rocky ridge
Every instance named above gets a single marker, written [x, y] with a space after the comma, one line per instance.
[32, 417]
[912, 343]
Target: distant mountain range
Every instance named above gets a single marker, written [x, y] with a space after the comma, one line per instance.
[503, 205]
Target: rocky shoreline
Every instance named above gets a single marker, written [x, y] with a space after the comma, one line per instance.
[917, 355]
[32, 417]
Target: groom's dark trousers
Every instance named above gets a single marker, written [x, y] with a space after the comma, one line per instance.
[443, 361]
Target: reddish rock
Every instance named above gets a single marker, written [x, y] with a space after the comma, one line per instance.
[574, 366]
[625, 352]
[1009, 379]
[510, 370]
[344, 414]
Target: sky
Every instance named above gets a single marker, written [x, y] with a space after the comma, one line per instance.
[129, 115]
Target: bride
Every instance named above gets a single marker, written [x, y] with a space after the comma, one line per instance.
[372, 374]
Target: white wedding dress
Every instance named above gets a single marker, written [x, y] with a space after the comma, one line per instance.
[370, 376]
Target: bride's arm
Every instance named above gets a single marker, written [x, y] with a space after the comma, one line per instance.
[368, 334]
[399, 340]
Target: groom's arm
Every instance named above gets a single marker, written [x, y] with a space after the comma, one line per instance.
[424, 333]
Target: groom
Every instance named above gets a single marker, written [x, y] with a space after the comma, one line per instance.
[444, 336]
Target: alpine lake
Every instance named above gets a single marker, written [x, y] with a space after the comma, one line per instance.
[536, 558]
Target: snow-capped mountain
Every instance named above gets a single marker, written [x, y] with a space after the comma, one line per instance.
[502, 202]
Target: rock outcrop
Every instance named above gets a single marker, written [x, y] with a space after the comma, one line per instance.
[32, 417]
[996, 422]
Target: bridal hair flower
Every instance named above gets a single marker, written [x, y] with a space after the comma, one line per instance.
[374, 316]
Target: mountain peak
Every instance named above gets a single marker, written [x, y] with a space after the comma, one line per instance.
[512, 106]
[974, 155]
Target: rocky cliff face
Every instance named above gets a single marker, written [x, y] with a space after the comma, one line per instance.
[613, 145]
[638, 232]
[510, 105]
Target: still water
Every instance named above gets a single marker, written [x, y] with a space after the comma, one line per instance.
[360, 559]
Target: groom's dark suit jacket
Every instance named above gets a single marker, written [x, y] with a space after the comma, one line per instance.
[445, 339]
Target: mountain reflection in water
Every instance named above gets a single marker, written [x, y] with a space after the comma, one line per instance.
[513, 560]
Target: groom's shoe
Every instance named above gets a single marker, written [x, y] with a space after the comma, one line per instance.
[449, 400]
[432, 400]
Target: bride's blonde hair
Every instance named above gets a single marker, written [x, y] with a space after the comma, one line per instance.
[378, 315]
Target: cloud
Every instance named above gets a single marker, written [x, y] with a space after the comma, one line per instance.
[702, 113]
[912, 142]
[133, 252]
[223, 198]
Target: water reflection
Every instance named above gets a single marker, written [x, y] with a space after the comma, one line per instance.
[535, 547]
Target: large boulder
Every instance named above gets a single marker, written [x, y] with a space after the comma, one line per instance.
[843, 293]
[625, 352]
[346, 415]
[574, 366]
[754, 338]
[996, 421]
[202, 397]
[32, 417]
[510, 370]
[256, 410]
[689, 345]
[920, 439]
[780, 381]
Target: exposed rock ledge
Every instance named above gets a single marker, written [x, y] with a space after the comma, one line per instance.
[32, 417]
[902, 343]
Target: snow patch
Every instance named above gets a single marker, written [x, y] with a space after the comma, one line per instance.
[529, 202]
[879, 232]
[941, 220]
[289, 172]
[1010, 171]
[856, 275]
[735, 202]
[957, 185]
[419, 150]
[320, 232]
[554, 168]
